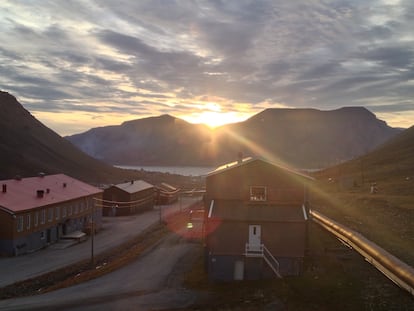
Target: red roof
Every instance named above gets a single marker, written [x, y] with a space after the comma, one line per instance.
[22, 194]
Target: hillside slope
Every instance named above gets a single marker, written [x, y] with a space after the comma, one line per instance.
[391, 165]
[27, 147]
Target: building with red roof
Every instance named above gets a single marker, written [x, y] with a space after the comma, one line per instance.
[38, 211]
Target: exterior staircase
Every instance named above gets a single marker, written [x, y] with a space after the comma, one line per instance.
[260, 251]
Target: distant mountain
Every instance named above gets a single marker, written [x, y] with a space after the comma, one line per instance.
[305, 138]
[162, 140]
[27, 147]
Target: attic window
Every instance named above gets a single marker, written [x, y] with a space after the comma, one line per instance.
[257, 193]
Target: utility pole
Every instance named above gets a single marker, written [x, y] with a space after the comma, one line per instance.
[92, 234]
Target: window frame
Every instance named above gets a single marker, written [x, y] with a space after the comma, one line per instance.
[28, 221]
[36, 219]
[20, 223]
[255, 196]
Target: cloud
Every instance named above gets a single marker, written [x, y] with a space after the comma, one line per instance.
[169, 56]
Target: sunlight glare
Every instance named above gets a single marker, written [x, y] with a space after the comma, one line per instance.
[215, 119]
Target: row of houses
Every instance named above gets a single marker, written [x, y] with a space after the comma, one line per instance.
[255, 215]
[38, 211]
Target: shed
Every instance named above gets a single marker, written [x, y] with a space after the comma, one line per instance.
[166, 194]
[128, 198]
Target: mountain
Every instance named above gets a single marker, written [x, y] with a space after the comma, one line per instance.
[27, 147]
[306, 138]
[310, 138]
[162, 140]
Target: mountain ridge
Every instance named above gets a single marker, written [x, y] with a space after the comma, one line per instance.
[301, 137]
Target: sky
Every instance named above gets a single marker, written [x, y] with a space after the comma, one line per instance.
[79, 64]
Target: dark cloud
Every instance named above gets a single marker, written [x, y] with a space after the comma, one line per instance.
[392, 56]
[155, 55]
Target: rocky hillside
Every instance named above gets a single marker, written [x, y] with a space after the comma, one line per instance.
[305, 138]
[27, 147]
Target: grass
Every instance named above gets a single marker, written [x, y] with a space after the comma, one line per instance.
[386, 218]
[334, 278]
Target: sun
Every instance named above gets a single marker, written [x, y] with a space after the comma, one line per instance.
[215, 119]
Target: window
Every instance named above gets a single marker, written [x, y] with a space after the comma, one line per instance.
[28, 221]
[36, 218]
[42, 216]
[20, 223]
[64, 211]
[42, 235]
[57, 212]
[257, 193]
[50, 214]
[76, 209]
[70, 210]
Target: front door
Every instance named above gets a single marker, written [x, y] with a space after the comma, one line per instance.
[254, 237]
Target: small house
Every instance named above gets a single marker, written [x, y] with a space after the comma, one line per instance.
[256, 220]
[128, 198]
[166, 194]
[38, 211]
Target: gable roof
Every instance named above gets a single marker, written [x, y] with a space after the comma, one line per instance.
[166, 187]
[248, 160]
[134, 186]
[22, 194]
[236, 210]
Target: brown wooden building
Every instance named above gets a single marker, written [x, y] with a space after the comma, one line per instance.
[37, 211]
[256, 220]
[128, 198]
[166, 194]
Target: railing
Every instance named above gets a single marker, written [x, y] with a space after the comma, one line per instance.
[393, 268]
[261, 251]
[271, 261]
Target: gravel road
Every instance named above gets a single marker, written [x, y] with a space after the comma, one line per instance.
[151, 282]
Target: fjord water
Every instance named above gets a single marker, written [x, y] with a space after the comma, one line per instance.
[180, 170]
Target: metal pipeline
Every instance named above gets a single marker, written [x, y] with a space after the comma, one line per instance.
[393, 268]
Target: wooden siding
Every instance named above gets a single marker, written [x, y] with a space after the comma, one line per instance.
[281, 186]
[281, 239]
[127, 203]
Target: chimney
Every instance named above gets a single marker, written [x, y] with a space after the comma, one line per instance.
[40, 193]
[47, 190]
[4, 188]
[64, 185]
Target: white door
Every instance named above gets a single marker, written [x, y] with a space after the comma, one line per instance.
[254, 237]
